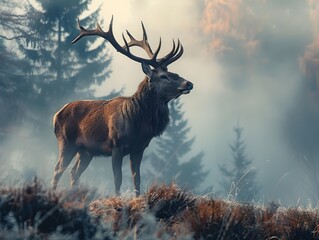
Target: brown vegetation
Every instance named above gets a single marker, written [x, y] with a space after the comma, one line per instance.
[163, 212]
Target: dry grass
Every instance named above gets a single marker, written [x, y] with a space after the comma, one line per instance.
[31, 212]
[164, 212]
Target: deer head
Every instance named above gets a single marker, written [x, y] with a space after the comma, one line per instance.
[169, 85]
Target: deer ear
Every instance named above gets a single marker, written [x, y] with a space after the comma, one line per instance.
[147, 69]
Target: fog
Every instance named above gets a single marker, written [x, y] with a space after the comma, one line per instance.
[244, 60]
[251, 63]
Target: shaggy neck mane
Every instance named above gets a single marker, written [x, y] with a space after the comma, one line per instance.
[147, 110]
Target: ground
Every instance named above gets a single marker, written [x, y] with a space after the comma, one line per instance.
[163, 212]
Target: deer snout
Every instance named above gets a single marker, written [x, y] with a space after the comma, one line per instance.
[186, 87]
[189, 85]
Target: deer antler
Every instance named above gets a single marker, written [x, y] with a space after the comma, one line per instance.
[142, 43]
[172, 56]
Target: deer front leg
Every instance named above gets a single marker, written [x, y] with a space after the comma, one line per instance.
[117, 159]
[135, 159]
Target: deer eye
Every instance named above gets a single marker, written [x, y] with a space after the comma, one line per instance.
[164, 77]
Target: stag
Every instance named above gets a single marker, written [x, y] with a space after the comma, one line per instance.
[123, 125]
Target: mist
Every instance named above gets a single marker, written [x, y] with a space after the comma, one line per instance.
[249, 62]
[244, 60]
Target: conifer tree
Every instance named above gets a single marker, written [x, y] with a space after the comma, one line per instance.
[170, 160]
[240, 179]
[58, 72]
[62, 72]
[15, 87]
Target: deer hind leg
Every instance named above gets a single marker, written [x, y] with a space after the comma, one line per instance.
[66, 154]
[135, 160]
[82, 162]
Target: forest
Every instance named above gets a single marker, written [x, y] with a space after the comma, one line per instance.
[238, 159]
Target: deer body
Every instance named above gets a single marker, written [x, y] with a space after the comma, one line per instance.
[123, 122]
[120, 126]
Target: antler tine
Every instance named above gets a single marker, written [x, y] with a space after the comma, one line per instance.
[96, 32]
[126, 44]
[83, 32]
[111, 26]
[178, 47]
[169, 55]
[141, 43]
[144, 32]
[157, 50]
[176, 55]
[145, 38]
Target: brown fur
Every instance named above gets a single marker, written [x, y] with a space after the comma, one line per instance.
[124, 122]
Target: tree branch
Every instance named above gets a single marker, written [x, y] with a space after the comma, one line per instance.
[14, 37]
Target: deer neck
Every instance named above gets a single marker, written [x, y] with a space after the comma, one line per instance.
[151, 110]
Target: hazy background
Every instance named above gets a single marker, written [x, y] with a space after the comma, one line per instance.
[252, 62]
[245, 60]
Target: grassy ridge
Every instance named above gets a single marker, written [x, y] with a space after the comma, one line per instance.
[164, 212]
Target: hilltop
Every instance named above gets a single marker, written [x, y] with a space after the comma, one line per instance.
[163, 212]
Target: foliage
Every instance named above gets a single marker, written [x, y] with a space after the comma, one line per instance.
[239, 180]
[41, 71]
[14, 88]
[164, 212]
[12, 22]
[170, 160]
[12, 81]
[62, 72]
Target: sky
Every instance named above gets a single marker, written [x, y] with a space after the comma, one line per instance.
[248, 61]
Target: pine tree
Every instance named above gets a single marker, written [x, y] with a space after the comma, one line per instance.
[14, 88]
[13, 23]
[57, 72]
[169, 159]
[14, 85]
[62, 72]
[240, 179]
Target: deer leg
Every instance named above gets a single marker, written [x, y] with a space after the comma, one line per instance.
[82, 162]
[135, 160]
[66, 154]
[117, 159]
